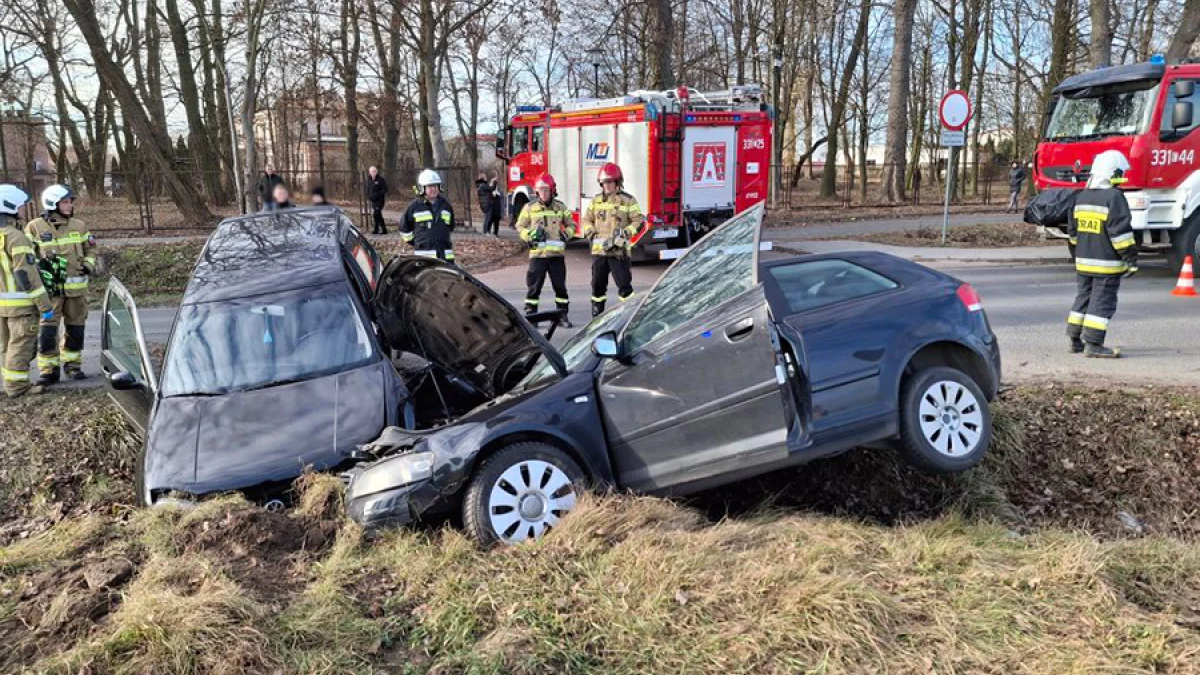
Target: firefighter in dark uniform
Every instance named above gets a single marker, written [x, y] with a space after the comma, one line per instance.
[610, 221]
[546, 225]
[429, 220]
[22, 297]
[67, 251]
[1105, 252]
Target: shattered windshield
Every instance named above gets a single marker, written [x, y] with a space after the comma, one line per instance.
[221, 347]
[1114, 113]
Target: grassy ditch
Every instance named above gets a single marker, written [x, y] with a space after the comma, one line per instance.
[848, 566]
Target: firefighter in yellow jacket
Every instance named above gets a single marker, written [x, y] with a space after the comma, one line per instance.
[22, 296]
[545, 225]
[610, 221]
[66, 250]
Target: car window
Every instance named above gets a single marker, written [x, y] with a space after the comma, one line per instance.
[122, 338]
[364, 256]
[1169, 109]
[718, 268]
[809, 285]
[219, 347]
[520, 140]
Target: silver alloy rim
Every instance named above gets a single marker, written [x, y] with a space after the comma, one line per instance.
[528, 499]
[951, 418]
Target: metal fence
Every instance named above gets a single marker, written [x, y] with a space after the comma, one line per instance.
[137, 203]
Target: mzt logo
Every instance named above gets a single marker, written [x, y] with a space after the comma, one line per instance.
[598, 152]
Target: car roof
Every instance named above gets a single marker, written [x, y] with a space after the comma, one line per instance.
[268, 253]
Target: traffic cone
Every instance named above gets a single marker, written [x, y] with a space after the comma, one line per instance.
[1186, 284]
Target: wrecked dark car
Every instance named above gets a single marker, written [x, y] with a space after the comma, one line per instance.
[731, 366]
[276, 363]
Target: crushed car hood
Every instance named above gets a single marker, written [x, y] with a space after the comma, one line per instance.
[426, 307]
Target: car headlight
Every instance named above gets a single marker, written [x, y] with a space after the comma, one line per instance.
[392, 473]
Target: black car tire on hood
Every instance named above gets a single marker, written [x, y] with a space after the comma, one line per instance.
[477, 506]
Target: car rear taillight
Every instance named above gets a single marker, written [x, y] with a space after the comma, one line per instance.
[970, 299]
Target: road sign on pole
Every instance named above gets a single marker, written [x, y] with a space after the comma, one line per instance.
[955, 112]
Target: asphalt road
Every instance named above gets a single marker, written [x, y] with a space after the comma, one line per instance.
[1027, 306]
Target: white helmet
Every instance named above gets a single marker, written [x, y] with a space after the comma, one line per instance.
[12, 198]
[429, 177]
[1108, 169]
[54, 194]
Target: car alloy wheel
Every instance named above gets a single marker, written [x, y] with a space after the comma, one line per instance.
[951, 419]
[528, 499]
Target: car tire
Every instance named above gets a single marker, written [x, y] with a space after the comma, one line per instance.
[945, 421]
[1184, 242]
[520, 493]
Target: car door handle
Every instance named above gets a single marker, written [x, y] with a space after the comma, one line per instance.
[739, 329]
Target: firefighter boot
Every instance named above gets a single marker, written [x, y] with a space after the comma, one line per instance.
[72, 353]
[566, 321]
[1076, 346]
[47, 354]
[597, 308]
[1101, 352]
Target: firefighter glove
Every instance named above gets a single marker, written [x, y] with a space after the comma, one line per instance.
[538, 236]
[1133, 269]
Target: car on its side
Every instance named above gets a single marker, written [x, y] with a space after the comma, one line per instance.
[731, 366]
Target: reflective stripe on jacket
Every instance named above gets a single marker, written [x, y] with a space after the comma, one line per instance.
[553, 221]
[1101, 230]
[605, 216]
[55, 235]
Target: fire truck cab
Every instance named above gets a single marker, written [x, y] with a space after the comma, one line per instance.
[1147, 111]
[691, 159]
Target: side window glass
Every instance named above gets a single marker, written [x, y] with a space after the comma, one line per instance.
[520, 140]
[717, 269]
[1169, 109]
[122, 338]
[810, 285]
[538, 132]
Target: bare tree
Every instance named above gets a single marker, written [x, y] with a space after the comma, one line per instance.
[891, 187]
[829, 176]
[1100, 50]
[1187, 32]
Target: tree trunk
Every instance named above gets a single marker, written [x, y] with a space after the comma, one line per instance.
[829, 176]
[157, 145]
[351, 43]
[662, 25]
[1186, 33]
[1060, 45]
[1100, 51]
[205, 162]
[891, 187]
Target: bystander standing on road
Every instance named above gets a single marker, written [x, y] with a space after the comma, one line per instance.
[1016, 178]
[377, 191]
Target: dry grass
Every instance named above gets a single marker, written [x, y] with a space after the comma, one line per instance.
[966, 575]
[1014, 235]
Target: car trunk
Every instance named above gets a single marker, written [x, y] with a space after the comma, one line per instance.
[456, 343]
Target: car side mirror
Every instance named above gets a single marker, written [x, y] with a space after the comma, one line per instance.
[502, 144]
[606, 346]
[1185, 88]
[1181, 116]
[124, 381]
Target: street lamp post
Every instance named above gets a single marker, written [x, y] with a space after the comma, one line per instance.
[595, 53]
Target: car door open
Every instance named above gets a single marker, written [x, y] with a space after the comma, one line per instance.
[696, 389]
[124, 359]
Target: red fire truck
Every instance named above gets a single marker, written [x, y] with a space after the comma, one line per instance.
[692, 159]
[1146, 111]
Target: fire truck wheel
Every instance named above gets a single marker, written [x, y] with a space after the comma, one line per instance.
[1184, 242]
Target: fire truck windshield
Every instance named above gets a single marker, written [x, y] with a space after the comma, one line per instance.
[1123, 112]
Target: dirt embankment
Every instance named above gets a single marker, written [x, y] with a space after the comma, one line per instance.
[1072, 549]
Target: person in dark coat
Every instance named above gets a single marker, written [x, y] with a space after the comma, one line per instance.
[377, 191]
[488, 203]
[266, 186]
[1016, 178]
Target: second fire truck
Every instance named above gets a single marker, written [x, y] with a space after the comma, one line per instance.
[692, 159]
